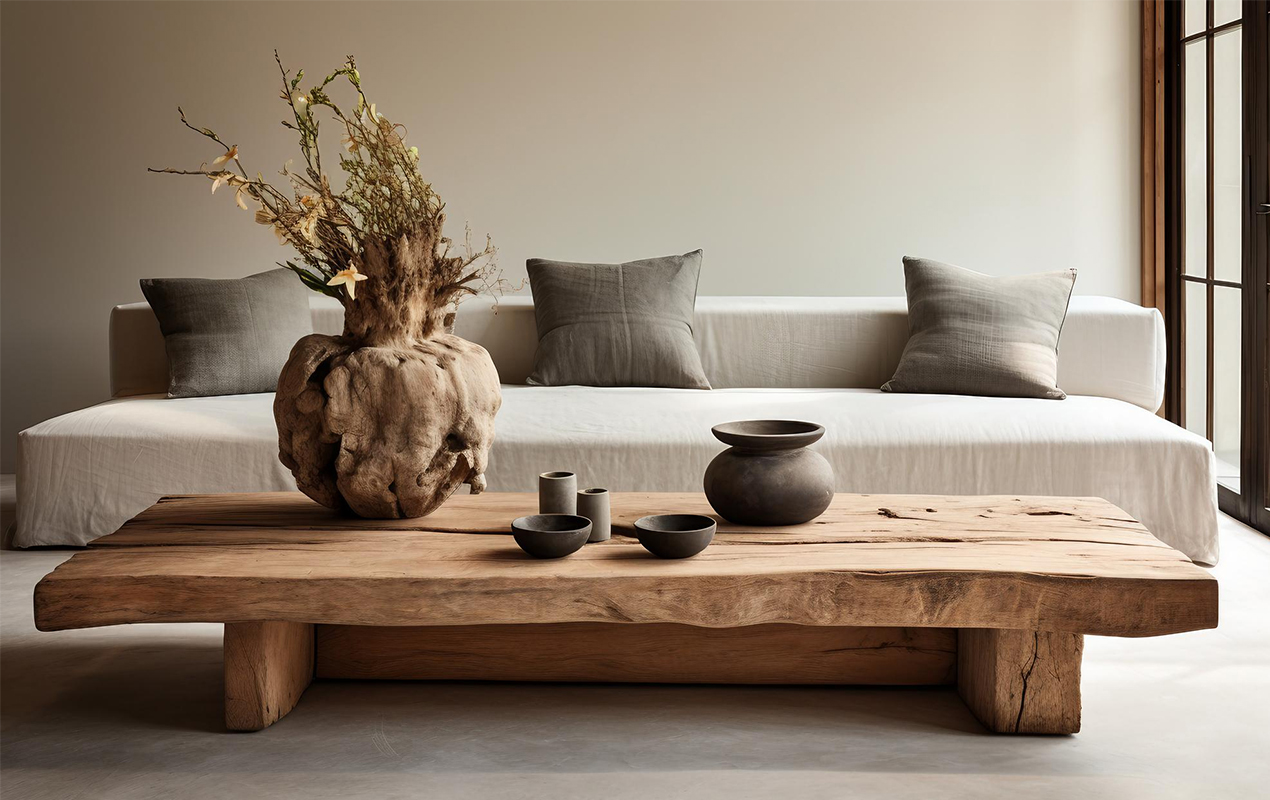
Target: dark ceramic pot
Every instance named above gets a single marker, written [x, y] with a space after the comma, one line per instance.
[768, 476]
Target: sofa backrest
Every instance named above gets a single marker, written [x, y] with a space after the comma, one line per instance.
[1109, 348]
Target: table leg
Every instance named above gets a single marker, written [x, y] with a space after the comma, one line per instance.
[1021, 681]
[268, 665]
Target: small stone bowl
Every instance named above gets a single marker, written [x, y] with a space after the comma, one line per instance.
[675, 535]
[551, 535]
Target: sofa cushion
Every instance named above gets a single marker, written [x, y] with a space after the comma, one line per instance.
[228, 336]
[617, 324]
[981, 335]
[81, 475]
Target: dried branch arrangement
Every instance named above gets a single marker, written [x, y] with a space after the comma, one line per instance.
[390, 418]
[385, 226]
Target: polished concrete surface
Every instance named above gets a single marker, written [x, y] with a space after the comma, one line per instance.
[135, 712]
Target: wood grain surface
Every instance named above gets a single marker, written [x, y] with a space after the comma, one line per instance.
[1076, 565]
[1021, 681]
[657, 653]
[268, 665]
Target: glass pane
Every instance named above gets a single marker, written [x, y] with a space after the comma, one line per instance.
[1227, 382]
[1195, 228]
[1195, 14]
[1196, 377]
[1227, 153]
[1226, 11]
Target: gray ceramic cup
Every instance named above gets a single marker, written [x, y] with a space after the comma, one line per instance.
[594, 505]
[557, 493]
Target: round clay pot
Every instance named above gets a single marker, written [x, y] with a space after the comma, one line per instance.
[768, 476]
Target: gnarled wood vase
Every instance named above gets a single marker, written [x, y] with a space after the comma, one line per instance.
[391, 417]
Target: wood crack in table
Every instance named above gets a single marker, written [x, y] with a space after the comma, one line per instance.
[992, 594]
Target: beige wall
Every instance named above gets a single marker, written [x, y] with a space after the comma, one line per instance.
[806, 147]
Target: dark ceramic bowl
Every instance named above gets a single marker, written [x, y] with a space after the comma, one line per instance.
[768, 434]
[551, 535]
[675, 535]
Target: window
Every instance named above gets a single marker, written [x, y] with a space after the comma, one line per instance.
[1215, 253]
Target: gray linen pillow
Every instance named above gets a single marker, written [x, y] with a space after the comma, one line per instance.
[228, 336]
[616, 324]
[976, 334]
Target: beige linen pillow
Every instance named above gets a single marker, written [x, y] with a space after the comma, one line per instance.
[617, 324]
[228, 336]
[975, 334]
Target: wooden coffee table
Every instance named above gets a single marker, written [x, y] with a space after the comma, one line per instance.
[992, 594]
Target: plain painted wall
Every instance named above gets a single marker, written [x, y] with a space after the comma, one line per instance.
[805, 147]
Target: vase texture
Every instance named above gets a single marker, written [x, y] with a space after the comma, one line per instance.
[769, 476]
[392, 416]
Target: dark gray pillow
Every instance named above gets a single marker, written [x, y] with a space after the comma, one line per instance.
[976, 334]
[228, 336]
[617, 324]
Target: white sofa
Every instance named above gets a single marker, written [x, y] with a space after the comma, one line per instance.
[83, 474]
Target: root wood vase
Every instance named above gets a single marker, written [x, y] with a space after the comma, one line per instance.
[391, 417]
[769, 476]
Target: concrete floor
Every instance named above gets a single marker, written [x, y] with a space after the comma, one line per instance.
[135, 712]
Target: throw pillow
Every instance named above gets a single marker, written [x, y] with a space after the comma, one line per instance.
[979, 335]
[228, 336]
[617, 324]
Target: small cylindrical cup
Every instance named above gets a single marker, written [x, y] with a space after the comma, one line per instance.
[594, 505]
[557, 493]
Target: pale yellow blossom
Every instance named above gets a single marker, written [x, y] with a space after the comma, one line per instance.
[348, 278]
[230, 154]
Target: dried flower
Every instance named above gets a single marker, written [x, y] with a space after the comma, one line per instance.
[383, 202]
[231, 153]
[348, 278]
[308, 225]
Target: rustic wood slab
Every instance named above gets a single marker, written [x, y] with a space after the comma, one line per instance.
[1021, 578]
[1072, 565]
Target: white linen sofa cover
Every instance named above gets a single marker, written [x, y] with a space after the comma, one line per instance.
[83, 474]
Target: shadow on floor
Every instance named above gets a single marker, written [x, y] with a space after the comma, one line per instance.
[140, 700]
